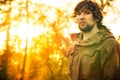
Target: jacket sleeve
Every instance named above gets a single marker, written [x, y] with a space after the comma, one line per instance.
[111, 67]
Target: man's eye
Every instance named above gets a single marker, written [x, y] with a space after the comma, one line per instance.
[87, 12]
[78, 13]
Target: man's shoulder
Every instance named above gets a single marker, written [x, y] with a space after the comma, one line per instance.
[111, 42]
[74, 36]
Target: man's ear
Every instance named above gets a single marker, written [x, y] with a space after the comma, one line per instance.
[96, 20]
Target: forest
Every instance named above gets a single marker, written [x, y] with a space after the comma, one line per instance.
[35, 35]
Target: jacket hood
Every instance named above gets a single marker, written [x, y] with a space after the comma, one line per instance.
[95, 39]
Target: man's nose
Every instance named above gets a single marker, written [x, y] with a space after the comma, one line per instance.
[81, 16]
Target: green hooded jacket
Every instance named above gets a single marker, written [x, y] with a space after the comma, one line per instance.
[97, 58]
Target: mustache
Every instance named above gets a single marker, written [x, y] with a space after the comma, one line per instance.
[80, 22]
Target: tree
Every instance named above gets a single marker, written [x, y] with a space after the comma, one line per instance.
[4, 57]
[46, 50]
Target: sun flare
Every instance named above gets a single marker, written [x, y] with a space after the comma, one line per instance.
[35, 36]
[27, 30]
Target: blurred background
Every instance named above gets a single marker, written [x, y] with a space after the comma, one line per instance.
[35, 35]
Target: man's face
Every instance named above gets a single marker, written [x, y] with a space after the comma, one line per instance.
[85, 20]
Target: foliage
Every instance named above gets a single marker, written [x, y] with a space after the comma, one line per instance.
[45, 60]
[37, 31]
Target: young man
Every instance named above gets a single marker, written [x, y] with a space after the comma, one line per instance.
[95, 54]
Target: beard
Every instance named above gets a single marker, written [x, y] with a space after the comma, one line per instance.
[87, 28]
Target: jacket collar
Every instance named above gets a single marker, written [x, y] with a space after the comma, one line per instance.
[95, 39]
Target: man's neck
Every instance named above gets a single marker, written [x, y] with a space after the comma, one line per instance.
[87, 35]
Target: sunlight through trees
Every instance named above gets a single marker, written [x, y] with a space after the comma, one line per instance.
[35, 35]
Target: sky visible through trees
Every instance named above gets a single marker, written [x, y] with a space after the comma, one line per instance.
[35, 35]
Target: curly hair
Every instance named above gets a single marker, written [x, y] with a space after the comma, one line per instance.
[93, 7]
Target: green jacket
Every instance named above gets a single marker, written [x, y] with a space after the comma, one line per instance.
[97, 58]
